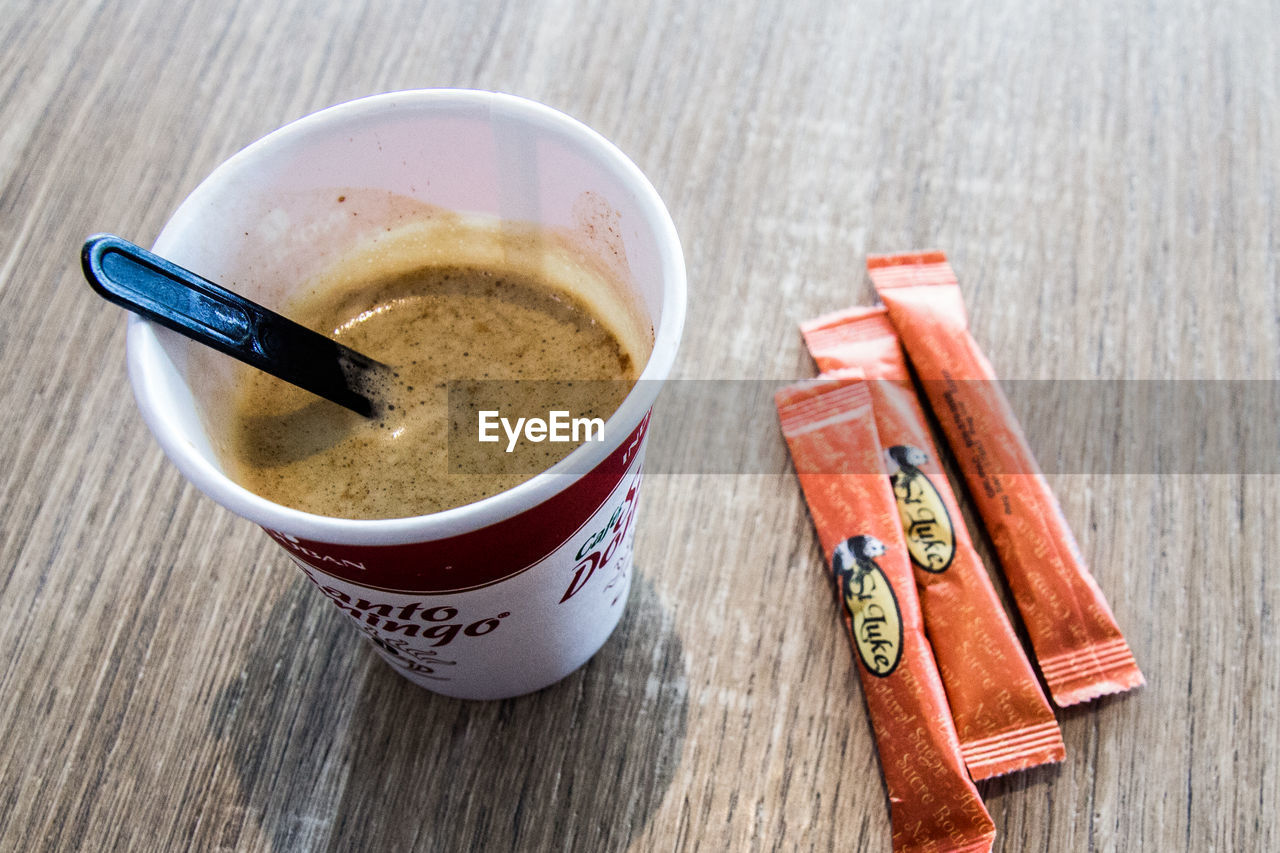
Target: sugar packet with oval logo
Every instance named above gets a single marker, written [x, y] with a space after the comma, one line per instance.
[831, 433]
[1001, 716]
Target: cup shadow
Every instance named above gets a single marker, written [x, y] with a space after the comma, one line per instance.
[325, 763]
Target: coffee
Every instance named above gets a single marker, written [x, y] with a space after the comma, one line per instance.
[522, 314]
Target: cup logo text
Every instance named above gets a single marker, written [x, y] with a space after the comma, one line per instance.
[602, 545]
[436, 625]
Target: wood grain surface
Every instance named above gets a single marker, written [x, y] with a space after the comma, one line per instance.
[1104, 178]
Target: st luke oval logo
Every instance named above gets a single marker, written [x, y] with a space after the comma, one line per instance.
[872, 607]
[931, 539]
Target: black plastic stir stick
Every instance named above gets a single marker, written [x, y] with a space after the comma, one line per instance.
[147, 284]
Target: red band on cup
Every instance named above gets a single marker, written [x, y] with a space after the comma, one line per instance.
[479, 557]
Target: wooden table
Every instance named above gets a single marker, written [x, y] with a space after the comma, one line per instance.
[1104, 177]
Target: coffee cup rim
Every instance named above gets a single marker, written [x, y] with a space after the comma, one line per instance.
[145, 353]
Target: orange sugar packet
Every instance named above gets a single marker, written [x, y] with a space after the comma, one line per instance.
[1080, 650]
[1001, 716]
[830, 430]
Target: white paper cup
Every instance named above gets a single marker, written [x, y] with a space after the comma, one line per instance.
[511, 593]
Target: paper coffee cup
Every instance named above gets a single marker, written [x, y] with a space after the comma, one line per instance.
[511, 593]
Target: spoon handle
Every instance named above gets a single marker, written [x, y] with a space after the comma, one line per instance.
[176, 298]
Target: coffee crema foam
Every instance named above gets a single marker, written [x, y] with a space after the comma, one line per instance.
[440, 298]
